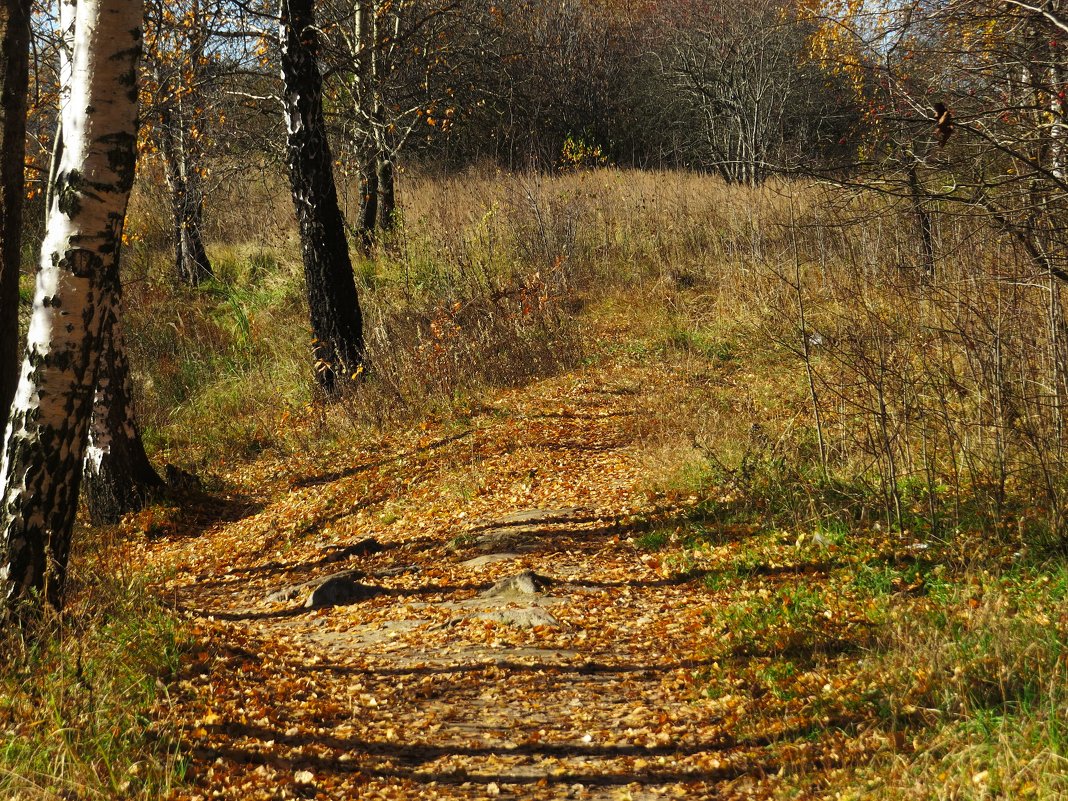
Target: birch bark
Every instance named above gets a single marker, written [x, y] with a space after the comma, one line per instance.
[45, 440]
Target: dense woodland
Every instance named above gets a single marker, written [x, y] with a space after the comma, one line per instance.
[811, 253]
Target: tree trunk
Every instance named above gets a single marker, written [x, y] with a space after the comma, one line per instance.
[365, 56]
[368, 205]
[182, 115]
[387, 201]
[191, 259]
[923, 222]
[191, 262]
[14, 81]
[65, 52]
[46, 438]
[337, 326]
[117, 475]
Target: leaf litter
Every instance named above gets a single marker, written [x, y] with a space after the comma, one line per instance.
[416, 690]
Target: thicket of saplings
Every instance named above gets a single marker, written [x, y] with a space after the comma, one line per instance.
[865, 396]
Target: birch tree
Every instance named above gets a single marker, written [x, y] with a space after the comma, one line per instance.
[14, 81]
[178, 68]
[117, 475]
[45, 440]
[392, 68]
[751, 102]
[337, 324]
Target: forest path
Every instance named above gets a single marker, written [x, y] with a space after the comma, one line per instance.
[422, 687]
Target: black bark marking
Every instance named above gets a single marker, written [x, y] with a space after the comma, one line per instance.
[69, 186]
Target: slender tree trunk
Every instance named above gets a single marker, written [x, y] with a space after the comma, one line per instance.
[368, 204]
[336, 322]
[14, 81]
[191, 115]
[191, 258]
[66, 54]
[387, 200]
[191, 262]
[45, 441]
[117, 475]
[923, 222]
[1058, 117]
[365, 56]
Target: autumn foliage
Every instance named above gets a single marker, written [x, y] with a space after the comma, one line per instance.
[739, 326]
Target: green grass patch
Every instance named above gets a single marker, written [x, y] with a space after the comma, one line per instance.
[705, 343]
[77, 698]
[976, 673]
[786, 619]
[653, 540]
[26, 287]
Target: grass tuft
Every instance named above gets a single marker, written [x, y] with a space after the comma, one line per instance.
[80, 695]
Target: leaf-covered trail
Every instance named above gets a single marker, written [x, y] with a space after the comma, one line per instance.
[417, 691]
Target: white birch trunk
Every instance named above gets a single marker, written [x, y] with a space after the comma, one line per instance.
[76, 285]
[1058, 120]
[66, 52]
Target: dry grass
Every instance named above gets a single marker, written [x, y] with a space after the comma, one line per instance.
[985, 668]
[954, 384]
[901, 413]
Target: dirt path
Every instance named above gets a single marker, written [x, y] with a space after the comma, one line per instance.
[422, 687]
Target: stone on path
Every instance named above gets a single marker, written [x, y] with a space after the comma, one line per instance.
[526, 583]
[565, 515]
[332, 590]
[526, 586]
[519, 531]
[365, 547]
[338, 589]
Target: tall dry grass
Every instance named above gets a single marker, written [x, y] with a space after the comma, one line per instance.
[945, 396]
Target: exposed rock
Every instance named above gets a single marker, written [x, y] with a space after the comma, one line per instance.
[519, 538]
[284, 594]
[524, 618]
[519, 531]
[505, 539]
[294, 590]
[522, 584]
[564, 515]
